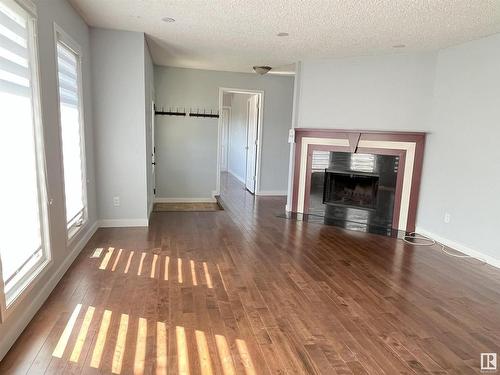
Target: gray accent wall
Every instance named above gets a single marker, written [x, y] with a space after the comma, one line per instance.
[453, 95]
[186, 157]
[187, 147]
[149, 94]
[119, 104]
[62, 254]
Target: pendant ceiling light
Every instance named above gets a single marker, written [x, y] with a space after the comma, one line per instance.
[261, 69]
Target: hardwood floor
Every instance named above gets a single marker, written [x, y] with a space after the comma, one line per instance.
[242, 291]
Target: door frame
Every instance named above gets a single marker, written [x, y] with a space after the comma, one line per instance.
[228, 108]
[248, 142]
[153, 148]
[260, 127]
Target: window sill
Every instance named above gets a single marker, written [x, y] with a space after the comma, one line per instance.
[23, 289]
[74, 231]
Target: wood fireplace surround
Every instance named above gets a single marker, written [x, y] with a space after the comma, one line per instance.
[408, 146]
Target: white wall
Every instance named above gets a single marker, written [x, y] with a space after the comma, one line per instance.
[118, 73]
[461, 166]
[187, 147]
[237, 155]
[59, 11]
[381, 92]
[454, 95]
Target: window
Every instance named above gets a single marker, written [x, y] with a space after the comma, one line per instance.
[24, 248]
[71, 121]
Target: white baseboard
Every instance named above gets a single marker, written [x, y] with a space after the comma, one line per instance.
[272, 192]
[118, 223]
[495, 262]
[17, 325]
[185, 200]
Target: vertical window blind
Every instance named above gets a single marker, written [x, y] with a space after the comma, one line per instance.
[71, 135]
[21, 213]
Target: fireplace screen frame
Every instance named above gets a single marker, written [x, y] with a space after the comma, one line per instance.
[327, 191]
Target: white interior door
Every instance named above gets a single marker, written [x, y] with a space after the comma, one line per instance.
[153, 151]
[224, 139]
[252, 137]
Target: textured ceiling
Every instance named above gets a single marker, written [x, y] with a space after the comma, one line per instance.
[235, 35]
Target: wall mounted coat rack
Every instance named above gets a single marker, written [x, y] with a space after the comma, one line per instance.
[182, 112]
[212, 115]
[170, 112]
[205, 113]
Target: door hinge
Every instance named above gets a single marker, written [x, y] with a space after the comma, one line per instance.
[154, 191]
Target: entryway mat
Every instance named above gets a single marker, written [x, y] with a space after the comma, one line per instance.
[187, 207]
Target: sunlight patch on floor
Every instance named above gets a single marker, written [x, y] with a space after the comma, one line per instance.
[106, 259]
[203, 353]
[141, 264]
[115, 333]
[179, 270]
[225, 355]
[127, 267]
[116, 260]
[193, 273]
[140, 347]
[167, 262]
[121, 342]
[151, 264]
[161, 348]
[101, 340]
[207, 275]
[63, 340]
[182, 351]
[82, 335]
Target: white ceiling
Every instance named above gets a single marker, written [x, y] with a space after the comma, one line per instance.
[235, 35]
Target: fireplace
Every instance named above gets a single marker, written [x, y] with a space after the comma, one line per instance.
[348, 189]
[357, 179]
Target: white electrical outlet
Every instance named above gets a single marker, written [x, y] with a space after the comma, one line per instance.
[116, 201]
[447, 217]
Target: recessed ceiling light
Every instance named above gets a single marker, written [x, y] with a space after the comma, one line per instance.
[168, 19]
[399, 46]
[282, 34]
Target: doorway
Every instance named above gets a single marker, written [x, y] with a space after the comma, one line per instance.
[240, 137]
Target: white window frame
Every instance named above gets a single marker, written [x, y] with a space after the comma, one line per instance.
[26, 283]
[60, 36]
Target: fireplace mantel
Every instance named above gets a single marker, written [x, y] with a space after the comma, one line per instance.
[408, 146]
